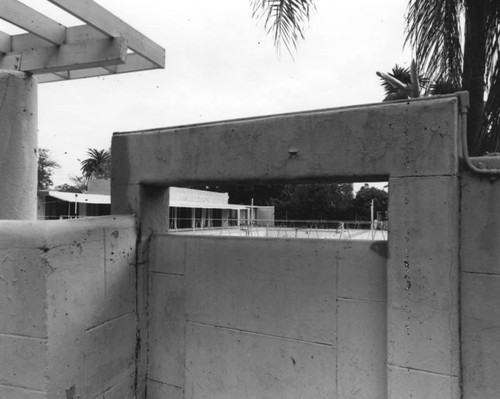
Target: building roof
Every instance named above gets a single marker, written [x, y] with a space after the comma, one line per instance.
[184, 204]
[81, 198]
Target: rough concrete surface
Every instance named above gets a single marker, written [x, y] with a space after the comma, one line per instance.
[414, 144]
[19, 149]
[399, 139]
[423, 274]
[480, 286]
[227, 364]
[246, 318]
[231, 317]
[67, 307]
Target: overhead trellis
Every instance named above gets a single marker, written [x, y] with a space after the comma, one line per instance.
[103, 45]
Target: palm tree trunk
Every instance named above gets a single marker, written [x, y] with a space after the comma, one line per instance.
[474, 69]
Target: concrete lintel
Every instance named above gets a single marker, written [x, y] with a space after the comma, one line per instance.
[410, 138]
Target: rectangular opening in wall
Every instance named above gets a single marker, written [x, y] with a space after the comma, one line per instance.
[349, 211]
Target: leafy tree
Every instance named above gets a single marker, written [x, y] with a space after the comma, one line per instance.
[284, 19]
[435, 32]
[97, 165]
[295, 201]
[363, 200]
[261, 194]
[46, 167]
[315, 202]
[79, 185]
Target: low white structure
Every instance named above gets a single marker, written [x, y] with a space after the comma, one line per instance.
[189, 208]
[200, 209]
[96, 201]
[63, 205]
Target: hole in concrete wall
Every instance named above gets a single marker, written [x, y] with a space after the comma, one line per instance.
[314, 211]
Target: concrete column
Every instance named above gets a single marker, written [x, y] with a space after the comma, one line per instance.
[150, 205]
[18, 146]
[480, 284]
[423, 294]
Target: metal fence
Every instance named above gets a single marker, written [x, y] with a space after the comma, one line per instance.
[312, 229]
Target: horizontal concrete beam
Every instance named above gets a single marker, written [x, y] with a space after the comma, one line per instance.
[110, 25]
[27, 18]
[134, 63]
[67, 57]
[48, 40]
[74, 34]
[410, 138]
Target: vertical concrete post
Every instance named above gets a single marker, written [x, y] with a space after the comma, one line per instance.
[480, 282]
[18, 146]
[150, 205]
[423, 288]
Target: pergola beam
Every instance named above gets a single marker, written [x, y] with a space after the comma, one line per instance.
[67, 57]
[134, 63]
[107, 23]
[50, 47]
[74, 35]
[26, 18]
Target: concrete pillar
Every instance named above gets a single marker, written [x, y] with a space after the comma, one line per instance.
[423, 292]
[18, 146]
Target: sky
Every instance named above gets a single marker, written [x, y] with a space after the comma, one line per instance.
[220, 64]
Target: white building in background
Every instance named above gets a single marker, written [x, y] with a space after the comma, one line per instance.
[200, 209]
[63, 205]
[189, 208]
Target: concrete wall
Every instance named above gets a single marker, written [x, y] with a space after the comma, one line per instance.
[480, 286]
[67, 309]
[237, 318]
[413, 144]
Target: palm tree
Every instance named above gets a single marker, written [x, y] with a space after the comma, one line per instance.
[435, 33]
[403, 83]
[448, 57]
[97, 165]
[285, 19]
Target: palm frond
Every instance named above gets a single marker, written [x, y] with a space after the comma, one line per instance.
[443, 86]
[488, 137]
[284, 19]
[400, 73]
[97, 164]
[492, 39]
[409, 86]
[433, 30]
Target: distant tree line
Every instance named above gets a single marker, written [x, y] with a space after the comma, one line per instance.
[317, 201]
[97, 165]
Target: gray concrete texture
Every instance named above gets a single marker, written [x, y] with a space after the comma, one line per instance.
[344, 143]
[480, 286]
[234, 317]
[231, 317]
[67, 308]
[19, 149]
[413, 144]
